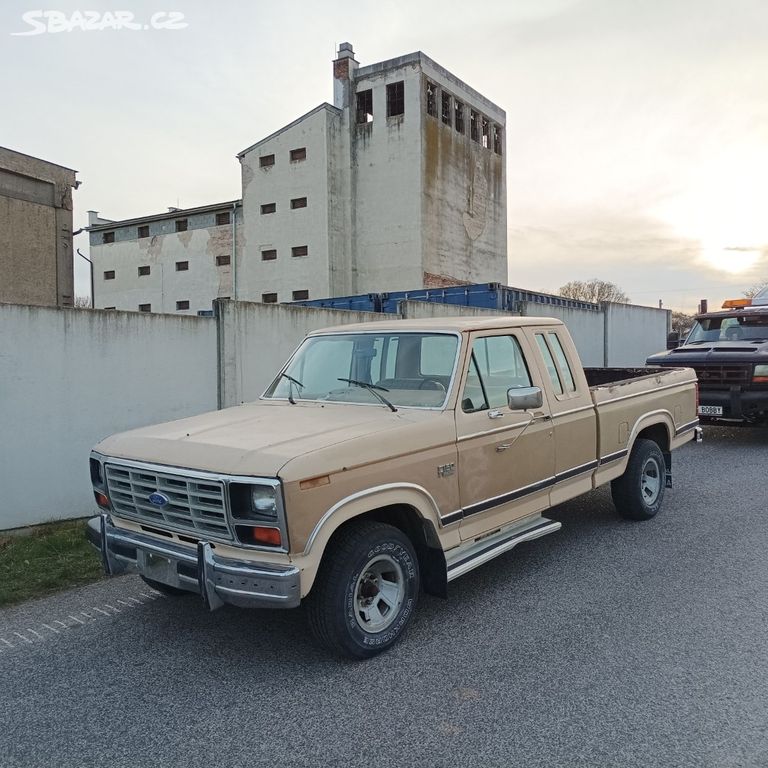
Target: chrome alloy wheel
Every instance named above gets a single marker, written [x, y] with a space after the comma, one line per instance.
[379, 593]
[650, 481]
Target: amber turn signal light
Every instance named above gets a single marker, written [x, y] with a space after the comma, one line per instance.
[268, 536]
[101, 499]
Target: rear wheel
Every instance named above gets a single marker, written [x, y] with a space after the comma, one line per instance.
[638, 493]
[365, 591]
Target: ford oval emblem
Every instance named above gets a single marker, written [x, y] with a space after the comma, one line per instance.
[158, 499]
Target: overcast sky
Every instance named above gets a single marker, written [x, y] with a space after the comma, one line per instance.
[637, 130]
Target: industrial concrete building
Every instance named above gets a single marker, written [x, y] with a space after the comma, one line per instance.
[400, 183]
[36, 265]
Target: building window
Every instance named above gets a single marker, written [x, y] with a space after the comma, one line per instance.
[365, 107]
[182, 266]
[474, 131]
[181, 225]
[269, 298]
[431, 95]
[445, 113]
[458, 116]
[299, 202]
[110, 307]
[298, 154]
[268, 208]
[486, 132]
[144, 271]
[222, 261]
[145, 307]
[497, 139]
[269, 255]
[144, 231]
[222, 219]
[184, 304]
[396, 99]
[109, 274]
[108, 237]
[266, 161]
[300, 250]
[300, 295]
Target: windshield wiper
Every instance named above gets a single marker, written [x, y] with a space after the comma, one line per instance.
[372, 389]
[290, 386]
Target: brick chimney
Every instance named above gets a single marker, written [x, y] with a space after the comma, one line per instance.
[344, 67]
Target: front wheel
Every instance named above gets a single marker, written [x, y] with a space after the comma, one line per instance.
[365, 591]
[638, 493]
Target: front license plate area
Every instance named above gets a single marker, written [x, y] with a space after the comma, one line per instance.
[157, 568]
[710, 410]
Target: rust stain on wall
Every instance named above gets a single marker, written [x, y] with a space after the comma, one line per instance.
[441, 281]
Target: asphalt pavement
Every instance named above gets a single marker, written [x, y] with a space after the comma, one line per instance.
[608, 643]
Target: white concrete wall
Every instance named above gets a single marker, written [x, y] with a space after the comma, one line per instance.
[68, 378]
[255, 340]
[634, 333]
[587, 327]
[286, 228]
[165, 284]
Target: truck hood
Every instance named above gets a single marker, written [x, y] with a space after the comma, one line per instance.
[715, 352]
[256, 438]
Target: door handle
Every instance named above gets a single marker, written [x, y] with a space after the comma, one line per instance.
[542, 416]
[503, 447]
[495, 414]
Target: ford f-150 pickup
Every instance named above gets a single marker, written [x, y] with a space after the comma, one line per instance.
[385, 458]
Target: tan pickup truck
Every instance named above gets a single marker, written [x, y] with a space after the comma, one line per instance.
[385, 458]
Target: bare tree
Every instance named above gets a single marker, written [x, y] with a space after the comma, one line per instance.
[755, 289]
[82, 302]
[681, 322]
[594, 290]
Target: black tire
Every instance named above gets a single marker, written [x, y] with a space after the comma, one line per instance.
[357, 560]
[166, 589]
[639, 492]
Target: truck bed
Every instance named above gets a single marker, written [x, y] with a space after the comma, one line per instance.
[598, 377]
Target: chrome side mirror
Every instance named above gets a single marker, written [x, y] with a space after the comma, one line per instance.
[522, 398]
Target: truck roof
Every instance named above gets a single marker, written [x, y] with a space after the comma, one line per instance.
[454, 324]
[753, 309]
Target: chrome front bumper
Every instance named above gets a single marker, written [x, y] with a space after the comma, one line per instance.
[219, 580]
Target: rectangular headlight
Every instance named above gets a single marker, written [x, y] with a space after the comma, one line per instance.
[761, 374]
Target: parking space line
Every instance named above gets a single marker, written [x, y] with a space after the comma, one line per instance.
[25, 639]
[10, 645]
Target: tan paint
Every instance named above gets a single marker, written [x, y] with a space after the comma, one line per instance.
[338, 461]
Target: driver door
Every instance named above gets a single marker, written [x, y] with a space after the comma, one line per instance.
[506, 458]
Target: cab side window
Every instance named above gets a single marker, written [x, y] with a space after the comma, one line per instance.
[549, 363]
[562, 361]
[497, 363]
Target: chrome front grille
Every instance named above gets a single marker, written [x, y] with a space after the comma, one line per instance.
[195, 505]
[722, 376]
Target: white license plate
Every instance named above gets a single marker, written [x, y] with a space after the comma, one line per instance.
[710, 410]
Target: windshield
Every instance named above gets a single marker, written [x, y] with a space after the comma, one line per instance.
[744, 328]
[408, 369]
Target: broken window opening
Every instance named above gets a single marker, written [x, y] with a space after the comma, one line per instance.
[458, 116]
[365, 107]
[145, 307]
[298, 154]
[486, 128]
[109, 274]
[181, 225]
[143, 271]
[222, 219]
[300, 295]
[182, 266]
[431, 94]
[269, 255]
[269, 298]
[300, 250]
[108, 237]
[445, 100]
[223, 261]
[497, 143]
[396, 99]
[474, 133]
[143, 231]
[180, 305]
[266, 161]
[268, 208]
[299, 202]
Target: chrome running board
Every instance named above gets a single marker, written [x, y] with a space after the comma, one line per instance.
[475, 553]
